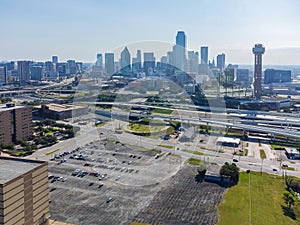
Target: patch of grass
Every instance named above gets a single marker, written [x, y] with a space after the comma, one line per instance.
[156, 151]
[166, 146]
[266, 202]
[51, 152]
[193, 152]
[194, 161]
[262, 154]
[162, 111]
[288, 168]
[101, 124]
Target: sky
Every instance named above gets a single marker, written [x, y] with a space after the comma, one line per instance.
[79, 29]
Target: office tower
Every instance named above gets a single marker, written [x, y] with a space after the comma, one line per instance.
[15, 123]
[36, 72]
[3, 75]
[192, 62]
[125, 60]
[149, 62]
[221, 62]
[258, 50]
[23, 71]
[229, 76]
[242, 77]
[24, 191]
[179, 50]
[180, 39]
[163, 63]
[204, 55]
[71, 67]
[79, 67]
[109, 63]
[137, 62]
[61, 68]
[99, 61]
[55, 59]
[277, 76]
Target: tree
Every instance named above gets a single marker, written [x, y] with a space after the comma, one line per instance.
[290, 197]
[201, 170]
[230, 170]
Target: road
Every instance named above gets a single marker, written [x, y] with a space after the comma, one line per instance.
[88, 133]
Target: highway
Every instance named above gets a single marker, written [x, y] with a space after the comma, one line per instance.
[291, 129]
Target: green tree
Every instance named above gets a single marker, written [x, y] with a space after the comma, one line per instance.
[290, 197]
[201, 170]
[230, 170]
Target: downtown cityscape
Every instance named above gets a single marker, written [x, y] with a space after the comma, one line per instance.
[172, 132]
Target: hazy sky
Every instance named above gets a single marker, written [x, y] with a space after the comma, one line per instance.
[79, 29]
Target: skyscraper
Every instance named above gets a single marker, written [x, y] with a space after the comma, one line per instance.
[109, 63]
[204, 55]
[125, 60]
[55, 59]
[3, 75]
[180, 39]
[149, 62]
[137, 62]
[36, 72]
[221, 62]
[99, 61]
[179, 50]
[23, 71]
[258, 50]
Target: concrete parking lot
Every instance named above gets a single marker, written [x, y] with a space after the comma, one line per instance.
[118, 182]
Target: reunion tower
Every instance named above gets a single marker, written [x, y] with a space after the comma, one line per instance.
[258, 50]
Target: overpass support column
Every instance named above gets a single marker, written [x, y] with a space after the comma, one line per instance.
[227, 129]
[206, 127]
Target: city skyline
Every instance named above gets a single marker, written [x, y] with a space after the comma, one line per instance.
[84, 28]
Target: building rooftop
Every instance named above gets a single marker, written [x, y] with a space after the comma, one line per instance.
[292, 151]
[11, 167]
[229, 140]
[10, 106]
[62, 108]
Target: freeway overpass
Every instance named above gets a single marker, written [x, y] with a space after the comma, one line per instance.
[188, 116]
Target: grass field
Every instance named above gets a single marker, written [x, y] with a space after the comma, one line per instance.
[262, 154]
[162, 111]
[166, 146]
[265, 201]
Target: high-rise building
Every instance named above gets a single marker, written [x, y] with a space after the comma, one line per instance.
[179, 50]
[221, 61]
[192, 62]
[15, 123]
[24, 191]
[125, 60]
[36, 72]
[71, 67]
[137, 62]
[242, 77]
[149, 62]
[109, 63]
[99, 61]
[23, 71]
[258, 50]
[54, 59]
[180, 39]
[277, 76]
[204, 55]
[3, 75]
